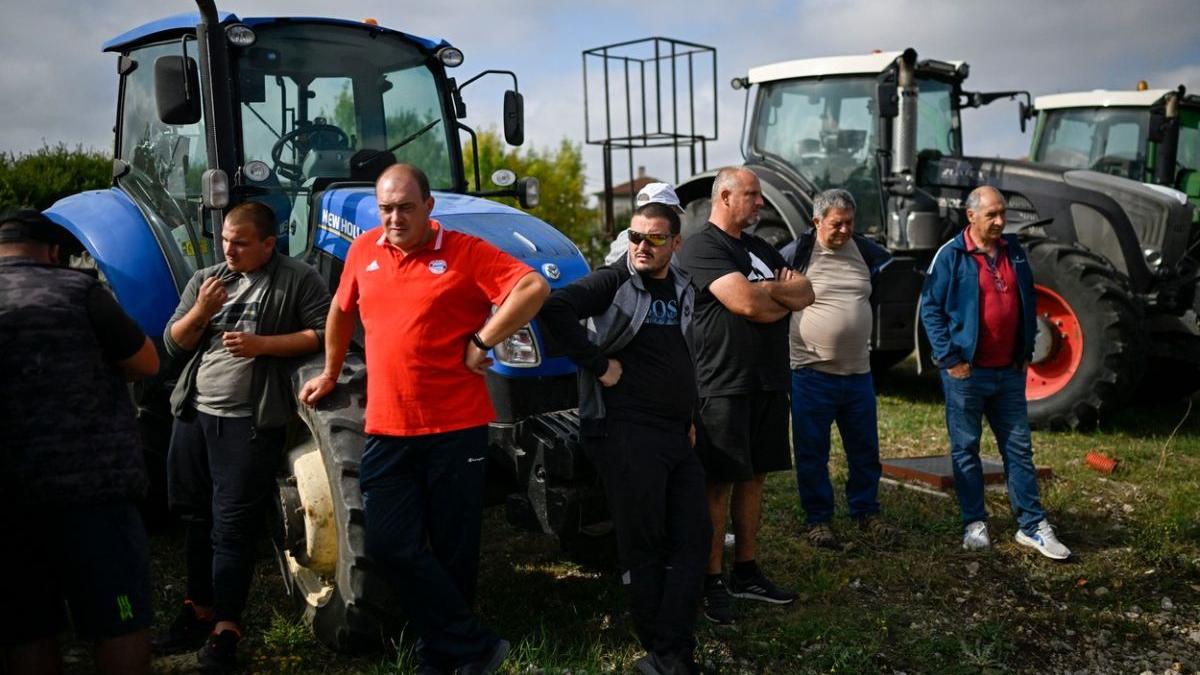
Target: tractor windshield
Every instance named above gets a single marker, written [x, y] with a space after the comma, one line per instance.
[1108, 140]
[313, 95]
[827, 130]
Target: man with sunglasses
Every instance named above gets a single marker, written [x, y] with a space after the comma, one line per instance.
[978, 310]
[830, 342]
[637, 389]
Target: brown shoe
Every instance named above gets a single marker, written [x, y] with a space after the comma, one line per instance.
[878, 529]
[821, 535]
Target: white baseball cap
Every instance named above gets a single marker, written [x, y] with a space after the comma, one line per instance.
[662, 193]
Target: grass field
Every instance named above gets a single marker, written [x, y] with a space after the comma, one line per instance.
[1128, 602]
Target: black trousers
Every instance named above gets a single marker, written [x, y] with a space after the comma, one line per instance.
[655, 488]
[423, 509]
[220, 479]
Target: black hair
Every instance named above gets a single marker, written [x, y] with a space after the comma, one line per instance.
[659, 210]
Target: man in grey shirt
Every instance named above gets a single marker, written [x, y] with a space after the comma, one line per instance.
[238, 324]
[829, 344]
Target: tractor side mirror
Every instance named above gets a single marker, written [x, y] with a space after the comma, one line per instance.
[177, 90]
[1024, 113]
[514, 117]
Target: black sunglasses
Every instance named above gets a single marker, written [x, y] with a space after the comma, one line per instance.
[654, 240]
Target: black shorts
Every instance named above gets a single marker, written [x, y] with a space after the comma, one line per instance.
[93, 560]
[739, 437]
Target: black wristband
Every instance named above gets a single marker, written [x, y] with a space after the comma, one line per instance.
[479, 342]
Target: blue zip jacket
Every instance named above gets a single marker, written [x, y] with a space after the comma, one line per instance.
[950, 302]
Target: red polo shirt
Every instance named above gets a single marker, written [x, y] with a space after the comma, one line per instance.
[418, 312]
[999, 306]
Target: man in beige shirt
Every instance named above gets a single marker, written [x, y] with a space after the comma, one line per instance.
[829, 344]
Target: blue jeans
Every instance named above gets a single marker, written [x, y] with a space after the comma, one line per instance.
[819, 400]
[998, 393]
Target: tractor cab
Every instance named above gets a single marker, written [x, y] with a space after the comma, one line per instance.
[301, 105]
[1147, 135]
[822, 118]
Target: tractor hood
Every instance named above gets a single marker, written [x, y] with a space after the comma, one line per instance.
[345, 213]
[1143, 230]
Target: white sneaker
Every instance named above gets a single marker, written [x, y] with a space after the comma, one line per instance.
[976, 537]
[1045, 541]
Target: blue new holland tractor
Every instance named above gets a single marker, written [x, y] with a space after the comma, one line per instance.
[302, 114]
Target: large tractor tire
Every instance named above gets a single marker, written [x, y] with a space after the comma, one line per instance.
[320, 537]
[1088, 354]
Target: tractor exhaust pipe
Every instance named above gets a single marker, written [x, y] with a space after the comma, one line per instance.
[904, 126]
[1168, 149]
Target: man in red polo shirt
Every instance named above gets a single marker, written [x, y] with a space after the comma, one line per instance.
[978, 307]
[424, 295]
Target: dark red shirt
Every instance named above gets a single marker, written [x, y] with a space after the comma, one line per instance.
[999, 306]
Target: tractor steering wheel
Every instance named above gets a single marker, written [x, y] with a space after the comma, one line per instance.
[314, 131]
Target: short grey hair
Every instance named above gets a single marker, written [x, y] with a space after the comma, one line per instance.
[975, 199]
[836, 198]
[727, 179]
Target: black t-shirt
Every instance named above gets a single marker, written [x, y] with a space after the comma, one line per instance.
[734, 355]
[658, 384]
[120, 337]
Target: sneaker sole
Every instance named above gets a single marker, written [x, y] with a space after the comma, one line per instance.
[762, 598]
[719, 622]
[1025, 540]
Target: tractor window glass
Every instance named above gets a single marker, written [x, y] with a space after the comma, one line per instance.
[166, 163]
[825, 129]
[1108, 140]
[412, 120]
[936, 120]
[1188, 156]
[312, 95]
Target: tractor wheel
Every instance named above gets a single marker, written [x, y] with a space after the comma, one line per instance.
[320, 537]
[695, 216]
[1087, 354]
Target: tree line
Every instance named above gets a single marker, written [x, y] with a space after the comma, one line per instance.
[41, 177]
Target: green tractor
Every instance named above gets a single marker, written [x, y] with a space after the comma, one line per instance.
[1115, 260]
[1147, 135]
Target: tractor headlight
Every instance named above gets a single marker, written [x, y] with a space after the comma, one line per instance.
[451, 57]
[519, 350]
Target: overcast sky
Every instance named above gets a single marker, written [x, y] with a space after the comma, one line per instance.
[59, 87]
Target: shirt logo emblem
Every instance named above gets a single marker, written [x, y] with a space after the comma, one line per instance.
[373, 266]
[437, 266]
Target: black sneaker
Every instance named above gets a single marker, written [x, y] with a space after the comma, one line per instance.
[654, 663]
[186, 633]
[718, 604]
[488, 664]
[759, 587]
[219, 654]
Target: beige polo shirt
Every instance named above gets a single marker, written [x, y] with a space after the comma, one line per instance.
[833, 335]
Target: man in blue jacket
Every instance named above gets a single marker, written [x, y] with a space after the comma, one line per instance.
[978, 310]
[830, 355]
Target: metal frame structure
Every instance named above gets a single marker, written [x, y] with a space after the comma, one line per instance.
[632, 76]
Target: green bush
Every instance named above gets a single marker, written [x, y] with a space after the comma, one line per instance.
[42, 177]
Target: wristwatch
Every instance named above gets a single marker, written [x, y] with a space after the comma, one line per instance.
[479, 342]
